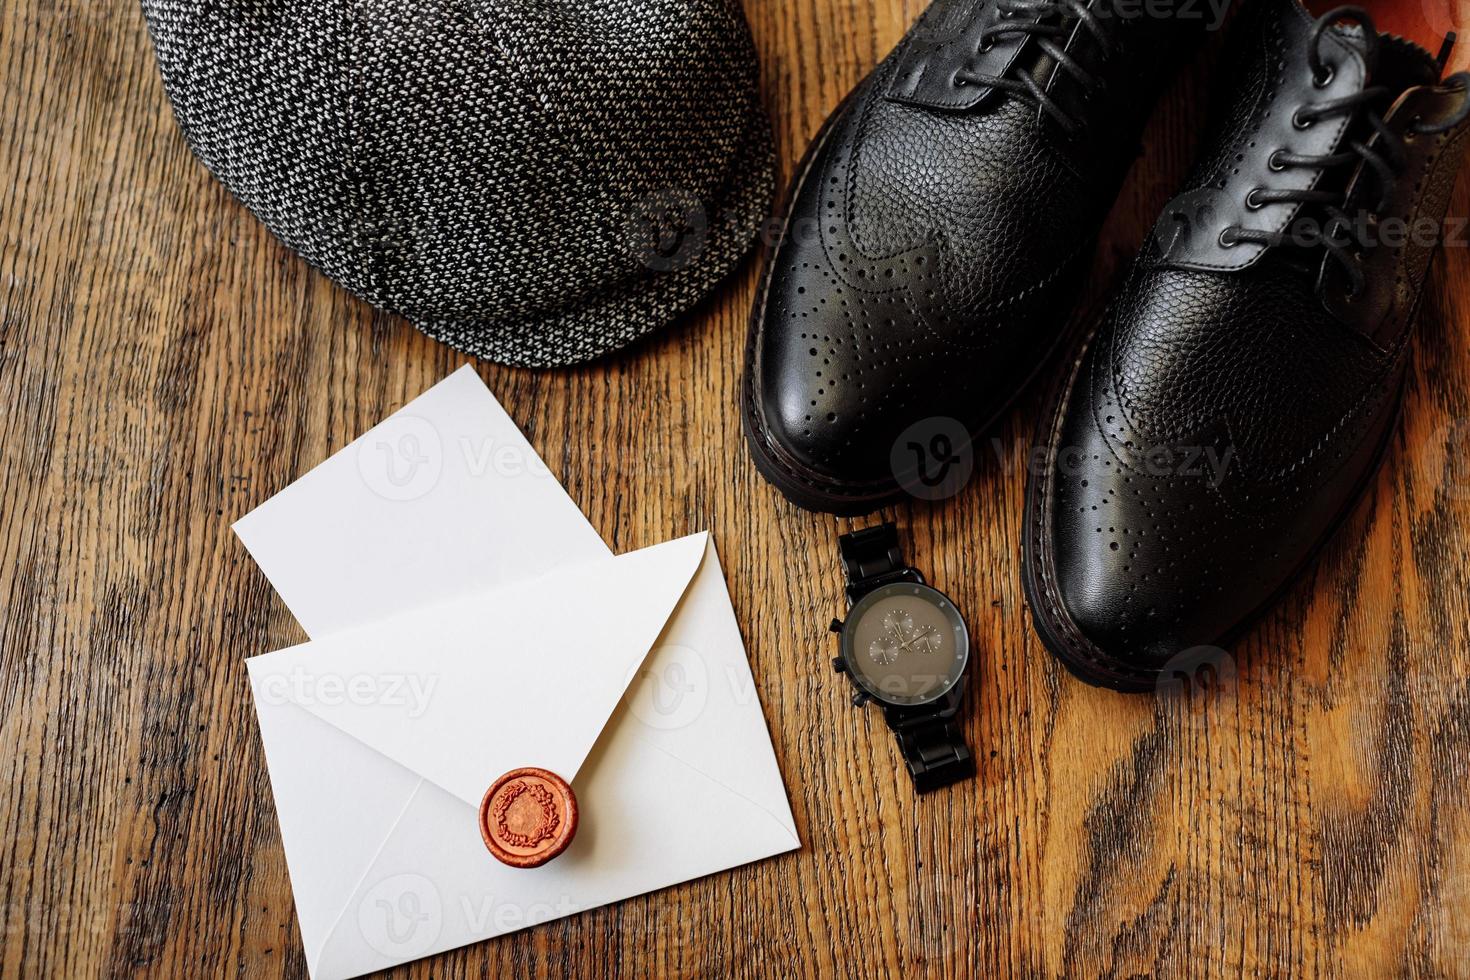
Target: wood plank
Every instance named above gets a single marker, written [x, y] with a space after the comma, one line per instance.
[165, 365]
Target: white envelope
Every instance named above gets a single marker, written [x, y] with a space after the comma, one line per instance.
[381, 736]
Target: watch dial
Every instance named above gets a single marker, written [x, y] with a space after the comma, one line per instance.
[906, 644]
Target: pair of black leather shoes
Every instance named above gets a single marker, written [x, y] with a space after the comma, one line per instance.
[1229, 407]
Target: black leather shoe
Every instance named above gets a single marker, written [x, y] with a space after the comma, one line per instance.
[1239, 394]
[937, 233]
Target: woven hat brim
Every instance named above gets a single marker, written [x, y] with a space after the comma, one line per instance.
[611, 319]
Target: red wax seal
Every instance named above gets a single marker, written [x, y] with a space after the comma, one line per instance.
[528, 817]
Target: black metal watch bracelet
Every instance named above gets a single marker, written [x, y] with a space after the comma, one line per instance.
[929, 737]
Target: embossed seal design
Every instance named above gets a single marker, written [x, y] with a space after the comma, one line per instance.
[528, 817]
[533, 821]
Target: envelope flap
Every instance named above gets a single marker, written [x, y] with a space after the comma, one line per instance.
[525, 675]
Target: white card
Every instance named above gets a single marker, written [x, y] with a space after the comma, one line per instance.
[444, 497]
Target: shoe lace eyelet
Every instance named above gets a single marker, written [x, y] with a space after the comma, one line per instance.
[1228, 238]
[1300, 121]
[1253, 200]
[1275, 163]
[1322, 79]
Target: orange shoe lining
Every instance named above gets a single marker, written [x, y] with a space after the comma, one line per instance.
[1425, 22]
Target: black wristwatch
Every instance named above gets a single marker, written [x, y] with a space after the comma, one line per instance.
[905, 646]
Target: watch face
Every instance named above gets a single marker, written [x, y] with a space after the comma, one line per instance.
[906, 644]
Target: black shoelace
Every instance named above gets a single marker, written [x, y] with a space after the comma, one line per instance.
[1047, 21]
[1344, 238]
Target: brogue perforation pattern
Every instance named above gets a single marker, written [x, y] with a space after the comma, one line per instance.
[919, 276]
[1221, 423]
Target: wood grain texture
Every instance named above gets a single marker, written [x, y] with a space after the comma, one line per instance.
[165, 365]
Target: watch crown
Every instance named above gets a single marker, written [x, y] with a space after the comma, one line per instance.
[861, 698]
[839, 665]
[836, 626]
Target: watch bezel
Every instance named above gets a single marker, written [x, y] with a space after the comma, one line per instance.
[861, 608]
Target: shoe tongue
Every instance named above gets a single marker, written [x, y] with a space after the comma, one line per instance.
[1399, 65]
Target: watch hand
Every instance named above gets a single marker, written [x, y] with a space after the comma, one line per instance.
[925, 636]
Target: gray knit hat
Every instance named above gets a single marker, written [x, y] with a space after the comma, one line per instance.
[537, 182]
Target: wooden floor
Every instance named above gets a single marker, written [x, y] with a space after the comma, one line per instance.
[165, 365]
